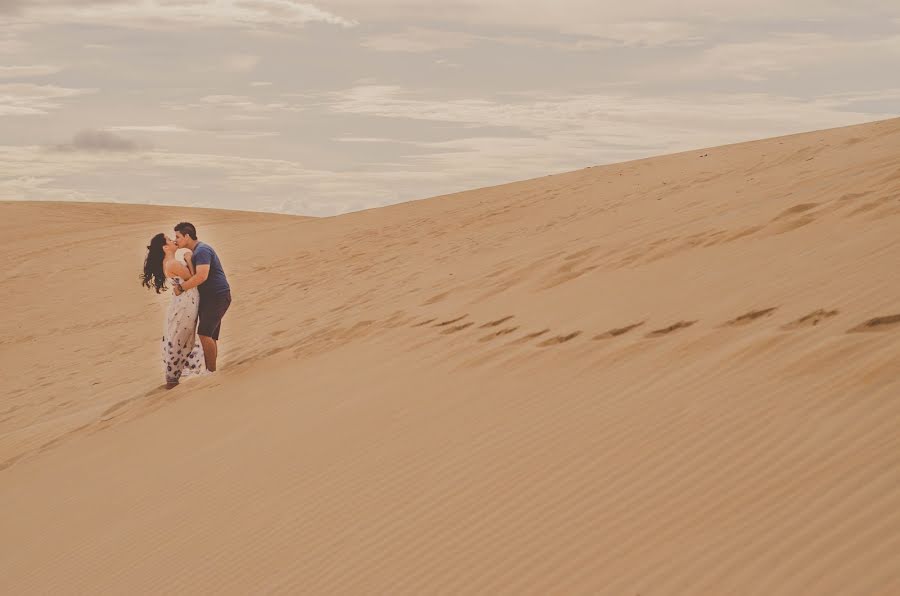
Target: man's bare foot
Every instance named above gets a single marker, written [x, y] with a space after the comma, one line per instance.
[171, 385]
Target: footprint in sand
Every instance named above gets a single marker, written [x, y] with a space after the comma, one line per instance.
[750, 317]
[559, 339]
[497, 322]
[528, 337]
[883, 323]
[810, 320]
[456, 328]
[671, 328]
[451, 321]
[435, 299]
[801, 208]
[498, 333]
[618, 331]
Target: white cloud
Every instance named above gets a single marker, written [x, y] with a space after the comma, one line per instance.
[247, 108]
[248, 134]
[162, 14]
[362, 140]
[11, 46]
[246, 117]
[569, 129]
[241, 62]
[447, 63]
[27, 99]
[148, 128]
[419, 39]
[570, 16]
[648, 33]
[585, 36]
[18, 72]
[757, 60]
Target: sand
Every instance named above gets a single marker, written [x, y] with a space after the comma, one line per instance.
[678, 375]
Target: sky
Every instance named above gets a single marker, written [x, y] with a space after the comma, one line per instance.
[334, 106]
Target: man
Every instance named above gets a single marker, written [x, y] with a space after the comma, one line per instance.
[210, 281]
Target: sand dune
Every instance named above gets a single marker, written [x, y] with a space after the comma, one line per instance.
[677, 375]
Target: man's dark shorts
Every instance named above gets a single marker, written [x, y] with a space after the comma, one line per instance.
[212, 309]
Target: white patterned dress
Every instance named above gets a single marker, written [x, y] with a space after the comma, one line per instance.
[181, 349]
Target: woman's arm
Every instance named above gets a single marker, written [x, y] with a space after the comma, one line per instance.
[174, 268]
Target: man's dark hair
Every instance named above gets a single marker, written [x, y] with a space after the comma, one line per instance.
[187, 229]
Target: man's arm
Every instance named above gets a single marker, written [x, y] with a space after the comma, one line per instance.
[198, 278]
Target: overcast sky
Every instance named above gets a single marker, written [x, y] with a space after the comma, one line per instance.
[337, 105]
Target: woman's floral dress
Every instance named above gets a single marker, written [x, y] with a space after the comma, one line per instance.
[181, 349]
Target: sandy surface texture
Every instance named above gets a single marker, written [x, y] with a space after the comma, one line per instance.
[678, 375]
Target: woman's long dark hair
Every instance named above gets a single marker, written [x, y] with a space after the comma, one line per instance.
[153, 275]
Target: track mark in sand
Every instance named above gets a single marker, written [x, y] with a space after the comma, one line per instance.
[750, 316]
[423, 323]
[789, 225]
[436, 298]
[872, 205]
[566, 273]
[618, 331]
[456, 328]
[497, 322]
[850, 196]
[529, 337]
[119, 405]
[582, 253]
[670, 328]
[451, 321]
[559, 339]
[498, 333]
[802, 207]
[810, 320]
[877, 324]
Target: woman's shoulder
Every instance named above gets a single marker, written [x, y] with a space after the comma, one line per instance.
[170, 264]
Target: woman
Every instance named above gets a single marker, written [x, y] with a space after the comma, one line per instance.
[182, 352]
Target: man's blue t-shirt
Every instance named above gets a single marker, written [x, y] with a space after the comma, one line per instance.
[216, 283]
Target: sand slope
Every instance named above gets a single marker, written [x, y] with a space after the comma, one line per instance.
[677, 375]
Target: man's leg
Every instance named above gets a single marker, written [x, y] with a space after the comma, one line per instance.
[210, 351]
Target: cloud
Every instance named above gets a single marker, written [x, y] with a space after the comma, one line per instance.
[248, 134]
[447, 63]
[578, 37]
[27, 99]
[18, 72]
[98, 140]
[365, 140]
[545, 133]
[148, 128]
[11, 46]
[163, 14]
[570, 16]
[758, 60]
[250, 108]
[246, 117]
[648, 33]
[419, 39]
[241, 62]
[568, 131]
[260, 83]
